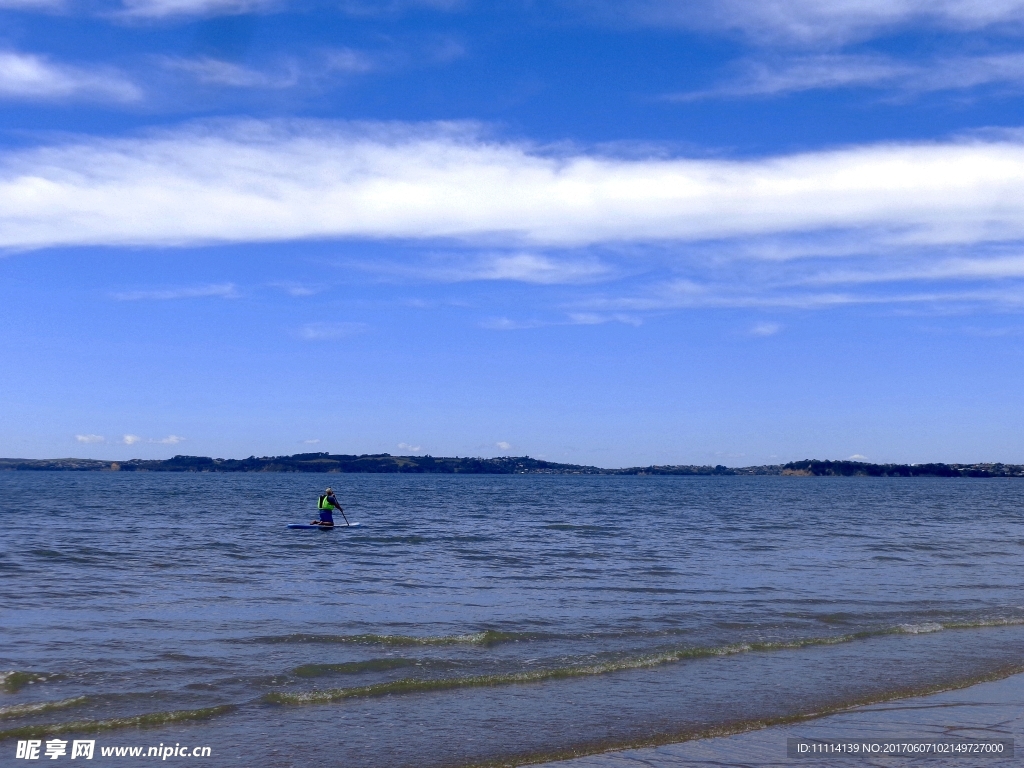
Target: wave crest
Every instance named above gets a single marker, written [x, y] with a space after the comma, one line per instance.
[151, 720]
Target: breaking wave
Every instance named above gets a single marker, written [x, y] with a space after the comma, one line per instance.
[19, 710]
[151, 720]
[14, 681]
[415, 685]
[425, 685]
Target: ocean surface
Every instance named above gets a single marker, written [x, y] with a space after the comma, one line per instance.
[486, 619]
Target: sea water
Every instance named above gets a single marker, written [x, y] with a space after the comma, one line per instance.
[480, 619]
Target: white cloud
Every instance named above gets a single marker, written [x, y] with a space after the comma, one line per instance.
[327, 331]
[157, 9]
[311, 442]
[502, 445]
[570, 318]
[517, 267]
[812, 230]
[313, 68]
[807, 73]
[258, 181]
[89, 439]
[32, 77]
[966, 72]
[408, 447]
[210, 71]
[133, 439]
[534, 268]
[596, 318]
[507, 324]
[220, 291]
[816, 21]
[747, 291]
[765, 329]
[857, 457]
[960, 269]
[297, 290]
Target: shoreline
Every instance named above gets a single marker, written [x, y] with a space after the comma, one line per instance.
[988, 708]
[385, 463]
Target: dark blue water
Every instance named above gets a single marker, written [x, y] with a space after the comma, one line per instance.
[484, 618]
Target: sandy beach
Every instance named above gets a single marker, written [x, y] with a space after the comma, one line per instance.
[993, 710]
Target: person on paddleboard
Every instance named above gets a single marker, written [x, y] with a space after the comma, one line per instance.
[326, 505]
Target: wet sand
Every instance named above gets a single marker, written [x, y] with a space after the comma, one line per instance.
[993, 710]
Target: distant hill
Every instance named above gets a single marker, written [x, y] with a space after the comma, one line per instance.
[863, 469]
[313, 462]
[501, 465]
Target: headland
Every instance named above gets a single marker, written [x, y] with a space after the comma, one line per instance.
[500, 465]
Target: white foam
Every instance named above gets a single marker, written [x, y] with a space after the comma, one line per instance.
[919, 629]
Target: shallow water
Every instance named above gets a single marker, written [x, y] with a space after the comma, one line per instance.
[486, 618]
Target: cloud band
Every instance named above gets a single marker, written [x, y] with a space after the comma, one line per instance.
[253, 181]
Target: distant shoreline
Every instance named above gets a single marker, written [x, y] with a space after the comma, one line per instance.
[384, 463]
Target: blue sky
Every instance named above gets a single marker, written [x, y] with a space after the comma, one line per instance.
[594, 231]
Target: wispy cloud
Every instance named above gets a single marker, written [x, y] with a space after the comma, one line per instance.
[445, 49]
[960, 269]
[297, 290]
[570, 318]
[597, 318]
[90, 439]
[532, 268]
[501, 445]
[390, 57]
[211, 71]
[312, 69]
[765, 329]
[327, 331]
[749, 293]
[408, 447]
[32, 77]
[810, 230]
[219, 291]
[135, 439]
[158, 9]
[391, 7]
[311, 442]
[816, 21]
[508, 324]
[523, 267]
[808, 73]
[162, 9]
[258, 181]
[350, 60]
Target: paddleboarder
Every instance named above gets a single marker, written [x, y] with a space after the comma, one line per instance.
[326, 505]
